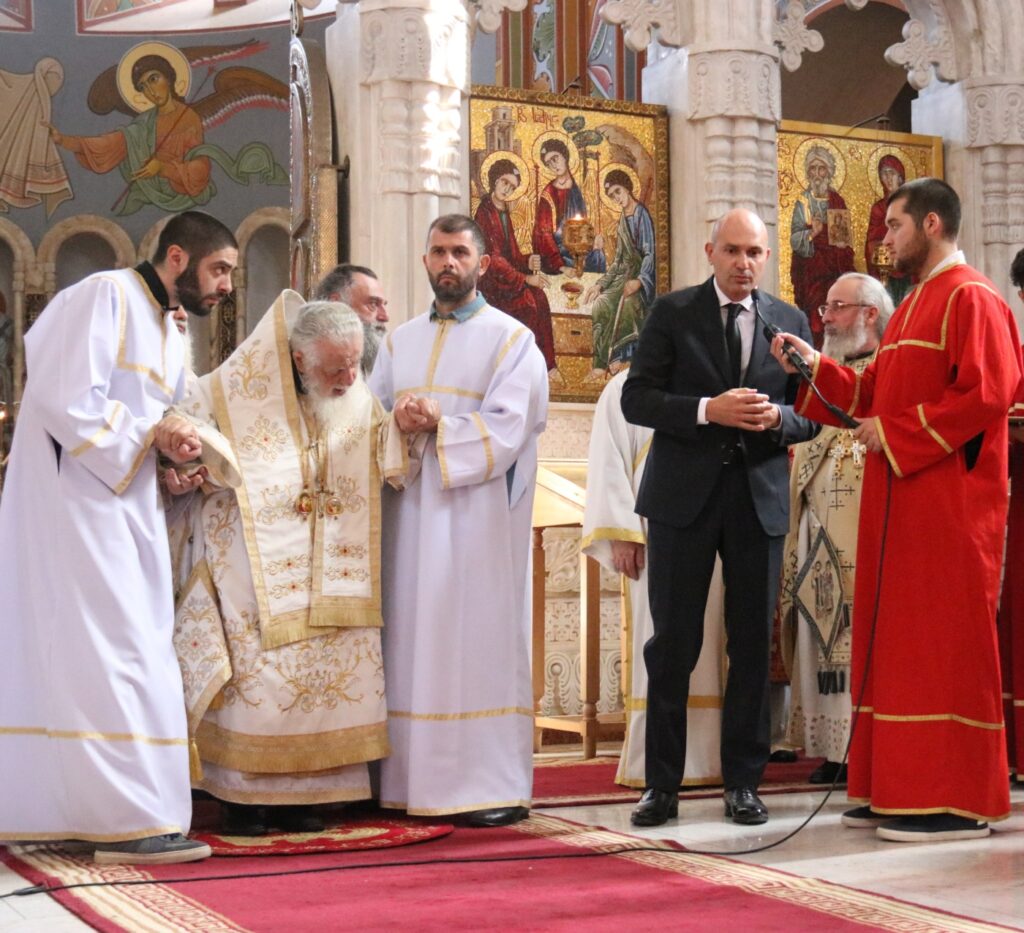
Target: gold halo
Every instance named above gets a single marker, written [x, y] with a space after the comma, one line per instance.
[871, 167]
[798, 162]
[622, 167]
[136, 99]
[574, 155]
[518, 161]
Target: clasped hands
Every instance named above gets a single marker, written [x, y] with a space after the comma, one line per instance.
[417, 415]
[867, 431]
[743, 408]
[176, 439]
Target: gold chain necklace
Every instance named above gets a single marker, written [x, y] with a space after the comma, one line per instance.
[316, 498]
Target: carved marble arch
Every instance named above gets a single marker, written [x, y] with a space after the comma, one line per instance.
[948, 39]
[314, 207]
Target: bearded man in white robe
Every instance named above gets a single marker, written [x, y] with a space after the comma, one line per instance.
[616, 537]
[819, 565]
[278, 608]
[93, 739]
[457, 546]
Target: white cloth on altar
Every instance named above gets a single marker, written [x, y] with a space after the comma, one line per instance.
[618, 452]
[456, 567]
[93, 741]
[292, 719]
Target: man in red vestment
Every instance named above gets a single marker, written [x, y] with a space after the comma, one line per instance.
[928, 756]
[508, 284]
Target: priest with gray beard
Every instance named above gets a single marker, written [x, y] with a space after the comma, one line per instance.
[360, 289]
[821, 547]
[278, 580]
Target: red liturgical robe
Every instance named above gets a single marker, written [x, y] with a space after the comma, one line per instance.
[929, 737]
[1011, 607]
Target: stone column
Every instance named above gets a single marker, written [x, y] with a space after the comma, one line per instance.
[716, 67]
[995, 160]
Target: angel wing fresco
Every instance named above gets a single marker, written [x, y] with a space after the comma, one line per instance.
[174, 97]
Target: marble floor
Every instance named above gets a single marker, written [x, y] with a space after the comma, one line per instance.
[983, 878]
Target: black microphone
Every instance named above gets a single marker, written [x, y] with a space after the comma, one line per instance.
[788, 350]
[799, 363]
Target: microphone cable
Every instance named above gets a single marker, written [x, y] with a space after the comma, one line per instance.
[44, 888]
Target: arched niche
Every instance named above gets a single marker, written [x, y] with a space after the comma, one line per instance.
[80, 255]
[121, 247]
[19, 274]
[264, 244]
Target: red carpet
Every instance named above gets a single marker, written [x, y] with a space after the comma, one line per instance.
[577, 783]
[349, 836]
[599, 892]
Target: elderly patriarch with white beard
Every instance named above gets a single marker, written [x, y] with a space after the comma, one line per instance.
[821, 547]
[278, 581]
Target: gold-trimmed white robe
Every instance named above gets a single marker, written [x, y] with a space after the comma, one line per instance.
[93, 741]
[278, 634]
[618, 452]
[456, 567]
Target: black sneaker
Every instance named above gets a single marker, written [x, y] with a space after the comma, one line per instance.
[932, 827]
[151, 850]
[864, 818]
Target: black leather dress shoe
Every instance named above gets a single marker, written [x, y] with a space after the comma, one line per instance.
[295, 819]
[499, 816]
[744, 806]
[827, 772]
[240, 819]
[655, 807]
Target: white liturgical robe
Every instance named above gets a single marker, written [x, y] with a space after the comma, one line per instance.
[278, 614]
[93, 741]
[456, 563]
[618, 452]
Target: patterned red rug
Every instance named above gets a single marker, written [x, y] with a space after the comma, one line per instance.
[543, 874]
[561, 783]
[350, 835]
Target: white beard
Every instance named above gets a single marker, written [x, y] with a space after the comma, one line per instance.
[819, 188]
[847, 343]
[330, 411]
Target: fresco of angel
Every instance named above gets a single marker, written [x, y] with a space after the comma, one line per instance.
[162, 153]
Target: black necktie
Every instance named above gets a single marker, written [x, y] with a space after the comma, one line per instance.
[732, 341]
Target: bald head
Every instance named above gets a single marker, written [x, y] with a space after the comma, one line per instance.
[738, 251]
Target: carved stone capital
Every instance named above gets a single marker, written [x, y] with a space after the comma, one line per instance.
[734, 84]
[793, 37]
[918, 53]
[487, 13]
[415, 44]
[640, 18]
[995, 113]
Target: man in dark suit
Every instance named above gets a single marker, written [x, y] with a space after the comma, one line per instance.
[716, 480]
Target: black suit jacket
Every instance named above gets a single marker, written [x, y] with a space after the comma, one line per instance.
[681, 358]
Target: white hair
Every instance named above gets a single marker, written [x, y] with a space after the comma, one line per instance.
[872, 292]
[324, 320]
